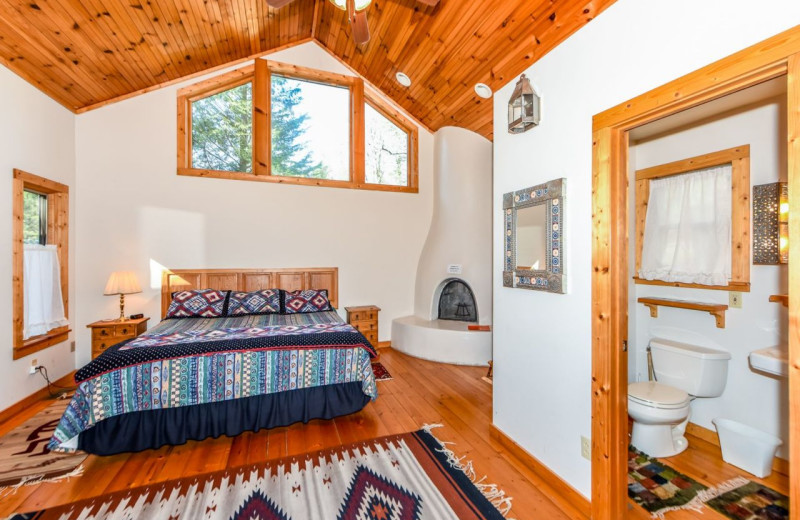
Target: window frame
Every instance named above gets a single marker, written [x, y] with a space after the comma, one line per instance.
[260, 74]
[58, 235]
[739, 159]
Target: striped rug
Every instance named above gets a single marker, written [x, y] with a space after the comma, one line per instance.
[407, 476]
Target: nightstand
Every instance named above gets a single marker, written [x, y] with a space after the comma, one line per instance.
[111, 332]
[365, 320]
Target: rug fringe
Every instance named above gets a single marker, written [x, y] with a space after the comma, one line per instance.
[7, 491]
[496, 496]
[694, 504]
[712, 493]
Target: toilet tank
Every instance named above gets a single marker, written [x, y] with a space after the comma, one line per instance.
[699, 371]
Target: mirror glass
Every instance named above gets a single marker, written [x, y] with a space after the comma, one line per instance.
[531, 237]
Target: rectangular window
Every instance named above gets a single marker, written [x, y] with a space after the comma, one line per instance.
[222, 130]
[387, 147]
[34, 225]
[310, 125]
[274, 122]
[693, 222]
[40, 263]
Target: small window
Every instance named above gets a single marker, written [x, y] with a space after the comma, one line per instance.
[387, 147]
[40, 263]
[310, 125]
[222, 130]
[693, 222]
[34, 226]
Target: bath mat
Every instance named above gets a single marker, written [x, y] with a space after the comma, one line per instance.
[24, 457]
[658, 488]
[411, 475]
[381, 374]
[742, 499]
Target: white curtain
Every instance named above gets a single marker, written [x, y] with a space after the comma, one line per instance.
[687, 235]
[44, 306]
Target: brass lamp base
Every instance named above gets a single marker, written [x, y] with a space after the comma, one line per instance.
[122, 308]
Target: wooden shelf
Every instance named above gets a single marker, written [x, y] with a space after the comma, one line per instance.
[783, 299]
[715, 309]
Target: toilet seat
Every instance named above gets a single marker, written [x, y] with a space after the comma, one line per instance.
[657, 395]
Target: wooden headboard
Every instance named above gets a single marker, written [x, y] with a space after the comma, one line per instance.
[289, 279]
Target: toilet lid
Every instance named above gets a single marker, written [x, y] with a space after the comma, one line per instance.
[657, 395]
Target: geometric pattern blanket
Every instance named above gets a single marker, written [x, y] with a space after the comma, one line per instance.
[408, 476]
[243, 364]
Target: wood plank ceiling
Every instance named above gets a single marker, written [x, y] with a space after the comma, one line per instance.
[86, 53]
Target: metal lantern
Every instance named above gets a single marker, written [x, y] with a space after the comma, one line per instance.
[523, 107]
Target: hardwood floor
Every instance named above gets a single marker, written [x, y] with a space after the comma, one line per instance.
[421, 392]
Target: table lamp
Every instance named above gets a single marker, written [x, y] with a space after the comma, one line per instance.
[122, 283]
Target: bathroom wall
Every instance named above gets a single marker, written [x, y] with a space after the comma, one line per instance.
[749, 397]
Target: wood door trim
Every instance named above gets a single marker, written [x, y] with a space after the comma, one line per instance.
[769, 59]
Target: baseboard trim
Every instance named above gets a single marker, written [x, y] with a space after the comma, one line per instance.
[384, 344]
[778, 465]
[39, 395]
[565, 495]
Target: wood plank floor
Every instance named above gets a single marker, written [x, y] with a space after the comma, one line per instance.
[421, 392]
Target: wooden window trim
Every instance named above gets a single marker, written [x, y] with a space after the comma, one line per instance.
[394, 115]
[739, 159]
[260, 74]
[58, 235]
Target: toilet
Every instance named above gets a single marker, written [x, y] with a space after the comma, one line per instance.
[660, 409]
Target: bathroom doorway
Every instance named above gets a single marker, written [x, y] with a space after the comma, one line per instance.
[611, 277]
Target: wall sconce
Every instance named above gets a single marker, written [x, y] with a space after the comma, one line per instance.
[771, 224]
[523, 108]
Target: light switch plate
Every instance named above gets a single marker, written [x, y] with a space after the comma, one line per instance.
[735, 300]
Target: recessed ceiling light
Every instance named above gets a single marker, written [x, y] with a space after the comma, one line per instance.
[403, 79]
[483, 90]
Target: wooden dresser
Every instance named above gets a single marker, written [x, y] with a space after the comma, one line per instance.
[365, 319]
[107, 333]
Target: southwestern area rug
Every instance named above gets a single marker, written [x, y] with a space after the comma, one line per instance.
[742, 499]
[407, 476]
[659, 488]
[24, 457]
[381, 374]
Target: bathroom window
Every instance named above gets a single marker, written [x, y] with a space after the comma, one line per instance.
[693, 222]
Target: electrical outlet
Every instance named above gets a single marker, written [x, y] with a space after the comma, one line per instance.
[72, 346]
[34, 364]
[735, 300]
[586, 448]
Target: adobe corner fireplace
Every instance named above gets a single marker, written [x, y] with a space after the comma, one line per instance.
[457, 302]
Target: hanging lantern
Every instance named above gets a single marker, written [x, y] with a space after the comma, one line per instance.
[523, 107]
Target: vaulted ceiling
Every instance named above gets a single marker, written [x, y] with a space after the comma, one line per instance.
[86, 53]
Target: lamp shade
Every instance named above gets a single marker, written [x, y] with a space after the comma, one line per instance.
[122, 282]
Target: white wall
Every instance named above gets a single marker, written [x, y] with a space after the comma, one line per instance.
[36, 135]
[749, 397]
[137, 214]
[542, 342]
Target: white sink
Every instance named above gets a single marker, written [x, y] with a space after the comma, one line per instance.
[773, 360]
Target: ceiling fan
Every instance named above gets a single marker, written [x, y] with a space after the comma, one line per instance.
[356, 13]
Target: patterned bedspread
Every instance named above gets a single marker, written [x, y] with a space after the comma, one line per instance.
[196, 361]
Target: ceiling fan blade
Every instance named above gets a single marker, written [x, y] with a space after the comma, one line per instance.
[360, 27]
[277, 4]
[432, 3]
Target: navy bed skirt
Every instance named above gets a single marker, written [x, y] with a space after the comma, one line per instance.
[139, 431]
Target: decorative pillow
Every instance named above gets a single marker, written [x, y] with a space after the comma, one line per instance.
[201, 303]
[306, 301]
[267, 301]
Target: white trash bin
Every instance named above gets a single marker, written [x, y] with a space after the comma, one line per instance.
[746, 447]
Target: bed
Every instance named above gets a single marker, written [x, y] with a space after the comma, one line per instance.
[222, 373]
